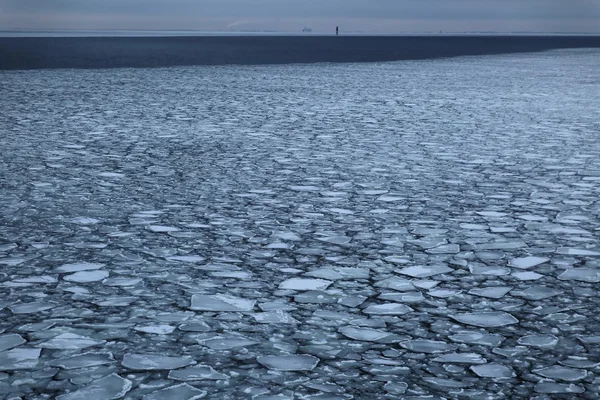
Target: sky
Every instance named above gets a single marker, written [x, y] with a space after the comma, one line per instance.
[377, 16]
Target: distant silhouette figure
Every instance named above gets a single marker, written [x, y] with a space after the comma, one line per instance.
[337, 30]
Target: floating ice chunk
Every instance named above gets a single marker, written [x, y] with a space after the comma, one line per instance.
[87, 276]
[12, 261]
[84, 360]
[229, 343]
[444, 293]
[577, 252]
[445, 249]
[275, 317]
[396, 283]
[528, 262]
[488, 270]
[396, 387]
[10, 341]
[315, 297]
[68, 268]
[36, 326]
[17, 359]
[428, 243]
[339, 240]
[161, 228]
[474, 227]
[364, 334]
[388, 309]
[482, 339]
[492, 214]
[291, 236]
[156, 329]
[152, 362]
[390, 199]
[221, 302]
[107, 388]
[537, 293]
[396, 260]
[189, 259]
[289, 363]
[427, 346]
[85, 221]
[590, 275]
[110, 175]
[409, 297]
[497, 292]
[338, 273]
[121, 281]
[196, 373]
[489, 319]
[461, 358]
[504, 245]
[70, 341]
[44, 279]
[115, 301]
[538, 340]
[527, 276]
[178, 392]
[231, 274]
[497, 371]
[425, 271]
[30, 308]
[446, 383]
[7, 247]
[555, 388]
[561, 373]
[305, 188]
[304, 284]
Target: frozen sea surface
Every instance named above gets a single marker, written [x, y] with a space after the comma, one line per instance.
[415, 230]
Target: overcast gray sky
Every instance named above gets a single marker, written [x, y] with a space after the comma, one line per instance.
[386, 16]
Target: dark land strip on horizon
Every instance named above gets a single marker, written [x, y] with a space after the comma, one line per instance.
[117, 52]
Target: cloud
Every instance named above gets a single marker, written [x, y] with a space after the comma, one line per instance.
[238, 23]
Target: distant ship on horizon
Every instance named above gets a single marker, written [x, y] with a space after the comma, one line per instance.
[307, 30]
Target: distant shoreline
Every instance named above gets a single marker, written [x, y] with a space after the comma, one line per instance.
[95, 52]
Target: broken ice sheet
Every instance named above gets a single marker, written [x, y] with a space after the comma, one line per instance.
[228, 343]
[155, 329]
[87, 276]
[590, 275]
[76, 267]
[177, 392]
[153, 362]
[527, 262]
[497, 371]
[107, 388]
[428, 346]
[364, 334]
[491, 292]
[196, 373]
[461, 358]
[220, 302]
[304, 284]
[289, 363]
[388, 309]
[10, 341]
[487, 319]
[84, 360]
[425, 271]
[31, 308]
[18, 359]
[275, 317]
[70, 341]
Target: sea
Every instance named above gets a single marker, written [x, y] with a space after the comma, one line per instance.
[420, 229]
